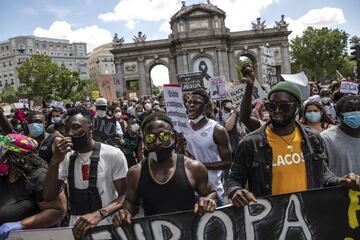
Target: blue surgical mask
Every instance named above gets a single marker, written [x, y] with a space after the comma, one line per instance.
[352, 119]
[36, 129]
[313, 116]
[56, 120]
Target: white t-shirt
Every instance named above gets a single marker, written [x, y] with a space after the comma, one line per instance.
[112, 166]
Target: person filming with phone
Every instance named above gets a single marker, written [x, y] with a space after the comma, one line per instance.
[95, 174]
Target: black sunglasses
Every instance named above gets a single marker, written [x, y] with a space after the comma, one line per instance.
[285, 107]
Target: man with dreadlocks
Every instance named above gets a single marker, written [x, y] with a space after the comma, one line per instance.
[22, 174]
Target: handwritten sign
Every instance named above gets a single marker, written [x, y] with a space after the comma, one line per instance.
[175, 108]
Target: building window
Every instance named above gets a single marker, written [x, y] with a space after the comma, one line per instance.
[65, 54]
[58, 54]
[12, 82]
[45, 52]
[43, 46]
[81, 54]
[51, 47]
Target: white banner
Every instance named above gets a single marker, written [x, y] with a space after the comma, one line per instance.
[349, 87]
[175, 108]
[217, 88]
[42, 234]
[298, 78]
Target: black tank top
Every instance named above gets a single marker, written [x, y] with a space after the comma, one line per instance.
[45, 151]
[175, 195]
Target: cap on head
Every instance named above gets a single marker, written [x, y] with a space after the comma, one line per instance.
[287, 87]
[134, 99]
[101, 102]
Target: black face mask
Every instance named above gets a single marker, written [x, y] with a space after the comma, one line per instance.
[162, 155]
[79, 142]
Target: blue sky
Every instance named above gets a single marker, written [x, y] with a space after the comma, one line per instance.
[96, 21]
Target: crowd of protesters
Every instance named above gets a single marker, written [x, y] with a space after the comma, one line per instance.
[54, 172]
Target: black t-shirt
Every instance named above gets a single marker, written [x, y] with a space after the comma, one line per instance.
[18, 200]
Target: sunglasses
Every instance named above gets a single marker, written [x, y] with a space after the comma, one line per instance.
[282, 106]
[163, 136]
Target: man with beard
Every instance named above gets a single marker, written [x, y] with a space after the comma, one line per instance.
[281, 156]
[209, 141]
[95, 173]
[165, 181]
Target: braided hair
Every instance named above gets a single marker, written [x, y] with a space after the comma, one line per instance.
[25, 165]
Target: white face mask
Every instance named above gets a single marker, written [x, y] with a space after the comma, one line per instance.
[117, 115]
[135, 127]
[148, 106]
[101, 113]
[198, 119]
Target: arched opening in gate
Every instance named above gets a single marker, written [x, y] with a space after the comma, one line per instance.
[159, 75]
[245, 59]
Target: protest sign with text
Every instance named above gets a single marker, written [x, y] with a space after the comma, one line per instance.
[236, 93]
[190, 81]
[175, 108]
[349, 87]
[104, 130]
[218, 88]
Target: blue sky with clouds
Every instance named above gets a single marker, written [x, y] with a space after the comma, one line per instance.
[96, 21]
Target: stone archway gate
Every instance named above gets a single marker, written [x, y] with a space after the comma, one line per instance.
[199, 36]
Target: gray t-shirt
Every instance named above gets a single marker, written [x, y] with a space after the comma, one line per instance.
[343, 151]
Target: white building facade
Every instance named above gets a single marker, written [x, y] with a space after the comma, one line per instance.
[101, 61]
[16, 50]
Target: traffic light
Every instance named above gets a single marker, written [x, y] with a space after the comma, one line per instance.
[355, 55]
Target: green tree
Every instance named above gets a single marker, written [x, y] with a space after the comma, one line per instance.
[67, 84]
[319, 52]
[8, 94]
[37, 75]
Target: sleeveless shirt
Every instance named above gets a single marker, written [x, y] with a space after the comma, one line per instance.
[175, 195]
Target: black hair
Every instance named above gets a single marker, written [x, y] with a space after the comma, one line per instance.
[34, 113]
[202, 92]
[79, 110]
[156, 116]
[25, 165]
[340, 104]
[325, 119]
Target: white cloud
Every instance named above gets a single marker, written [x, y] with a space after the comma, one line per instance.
[317, 18]
[131, 11]
[165, 27]
[240, 13]
[92, 35]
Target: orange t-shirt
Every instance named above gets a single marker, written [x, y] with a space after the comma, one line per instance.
[288, 164]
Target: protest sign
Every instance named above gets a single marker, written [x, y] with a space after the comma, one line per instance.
[107, 87]
[104, 130]
[268, 65]
[95, 95]
[190, 81]
[301, 81]
[331, 213]
[349, 87]
[175, 108]
[218, 88]
[237, 93]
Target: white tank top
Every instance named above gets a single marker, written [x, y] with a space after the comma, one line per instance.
[201, 145]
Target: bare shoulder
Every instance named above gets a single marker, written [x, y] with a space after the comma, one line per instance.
[133, 174]
[194, 166]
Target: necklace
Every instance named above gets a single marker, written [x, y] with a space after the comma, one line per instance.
[289, 144]
[172, 172]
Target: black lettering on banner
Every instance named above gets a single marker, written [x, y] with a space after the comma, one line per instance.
[331, 213]
[104, 130]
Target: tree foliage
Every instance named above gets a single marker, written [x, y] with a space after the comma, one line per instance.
[8, 94]
[319, 52]
[39, 76]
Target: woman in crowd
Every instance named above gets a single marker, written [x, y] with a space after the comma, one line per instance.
[314, 116]
[132, 147]
[22, 174]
